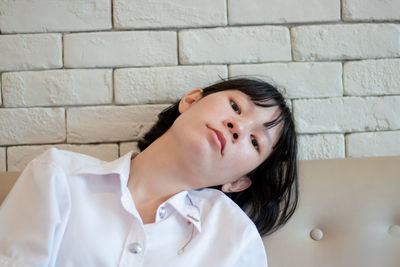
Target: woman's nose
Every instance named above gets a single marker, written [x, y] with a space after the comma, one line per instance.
[235, 129]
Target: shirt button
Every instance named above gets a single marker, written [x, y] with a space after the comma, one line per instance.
[162, 212]
[135, 248]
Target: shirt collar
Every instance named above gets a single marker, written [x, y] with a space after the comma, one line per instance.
[187, 207]
[185, 204]
[119, 166]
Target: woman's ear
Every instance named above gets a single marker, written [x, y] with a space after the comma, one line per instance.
[189, 99]
[240, 184]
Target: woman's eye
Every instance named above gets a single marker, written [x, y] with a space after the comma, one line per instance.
[254, 143]
[235, 107]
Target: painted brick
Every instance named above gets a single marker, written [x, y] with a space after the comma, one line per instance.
[120, 49]
[373, 144]
[2, 159]
[345, 41]
[371, 10]
[110, 123]
[57, 87]
[162, 84]
[31, 125]
[127, 147]
[347, 114]
[173, 13]
[51, 16]
[234, 45]
[321, 146]
[30, 51]
[372, 77]
[297, 80]
[282, 11]
[19, 156]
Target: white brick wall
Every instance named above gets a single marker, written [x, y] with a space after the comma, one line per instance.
[298, 80]
[57, 87]
[120, 49]
[127, 147]
[234, 44]
[163, 14]
[162, 84]
[373, 144]
[53, 16]
[352, 41]
[91, 76]
[282, 11]
[31, 125]
[117, 123]
[19, 156]
[347, 114]
[371, 10]
[372, 77]
[321, 146]
[30, 51]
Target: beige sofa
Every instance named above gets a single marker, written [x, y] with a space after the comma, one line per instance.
[348, 215]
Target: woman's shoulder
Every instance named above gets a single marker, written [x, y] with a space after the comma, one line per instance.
[215, 206]
[56, 154]
[64, 159]
[228, 226]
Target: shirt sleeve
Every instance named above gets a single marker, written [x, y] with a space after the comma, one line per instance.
[252, 250]
[34, 215]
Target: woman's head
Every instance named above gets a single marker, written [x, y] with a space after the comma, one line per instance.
[221, 137]
[250, 135]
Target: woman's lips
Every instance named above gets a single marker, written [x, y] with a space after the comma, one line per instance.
[220, 137]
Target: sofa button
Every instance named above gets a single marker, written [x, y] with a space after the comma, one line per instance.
[316, 234]
[394, 230]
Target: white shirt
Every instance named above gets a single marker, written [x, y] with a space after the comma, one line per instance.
[69, 209]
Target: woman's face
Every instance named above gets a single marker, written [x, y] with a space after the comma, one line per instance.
[222, 136]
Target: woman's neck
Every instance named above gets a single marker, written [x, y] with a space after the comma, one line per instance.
[155, 175]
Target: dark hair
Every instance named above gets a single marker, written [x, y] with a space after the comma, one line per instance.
[273, 195]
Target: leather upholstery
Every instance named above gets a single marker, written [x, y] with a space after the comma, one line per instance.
[348, 215]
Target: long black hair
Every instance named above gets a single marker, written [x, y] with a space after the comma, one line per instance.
[273, 195]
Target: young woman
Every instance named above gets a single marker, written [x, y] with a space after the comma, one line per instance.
[218, 152]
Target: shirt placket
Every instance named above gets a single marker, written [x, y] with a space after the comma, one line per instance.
[134, 246]
[135, 241]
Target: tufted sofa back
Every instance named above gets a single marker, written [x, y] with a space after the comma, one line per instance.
[348, 216]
